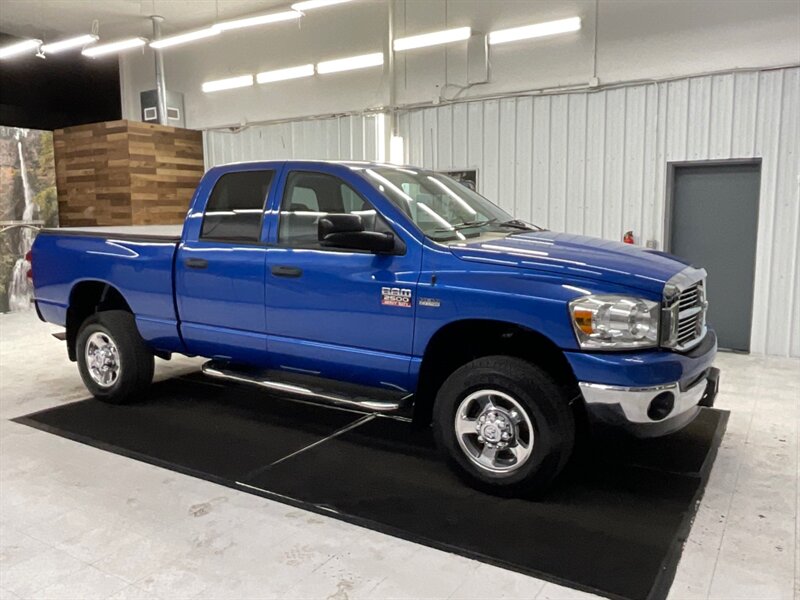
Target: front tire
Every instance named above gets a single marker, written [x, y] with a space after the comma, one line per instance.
[505, 425]
[114, 362]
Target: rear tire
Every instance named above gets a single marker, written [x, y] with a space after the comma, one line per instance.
[505, 425]
[114, 362]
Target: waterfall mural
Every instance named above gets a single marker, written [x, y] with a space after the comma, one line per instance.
[27, 201]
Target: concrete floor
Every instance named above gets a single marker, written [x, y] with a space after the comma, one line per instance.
[78, 522]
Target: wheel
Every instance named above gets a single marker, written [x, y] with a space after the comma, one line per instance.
[115, 364]
[504, 424]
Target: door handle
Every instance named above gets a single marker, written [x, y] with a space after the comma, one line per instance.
[196, 263]
[285, 271]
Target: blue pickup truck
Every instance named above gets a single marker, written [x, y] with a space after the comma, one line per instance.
[395, 290]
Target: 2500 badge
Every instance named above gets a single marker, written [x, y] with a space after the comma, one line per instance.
[392, 296]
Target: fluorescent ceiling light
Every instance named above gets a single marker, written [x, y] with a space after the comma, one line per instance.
[183, 38]
[69, 44]
[503, 36]
[312, 4]
[19, 48]
[286, 15]
[435, 38]
[283, 74]
[348, 64]
[228, 84]
[101, 49]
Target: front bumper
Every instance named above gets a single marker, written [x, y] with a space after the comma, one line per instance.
[650, 411]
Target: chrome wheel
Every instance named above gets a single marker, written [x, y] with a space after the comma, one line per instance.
[102, 359]
[494, 431]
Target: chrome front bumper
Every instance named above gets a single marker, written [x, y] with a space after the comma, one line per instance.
[649, 411]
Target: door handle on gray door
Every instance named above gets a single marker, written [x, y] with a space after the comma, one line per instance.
[286, 271]
[196, 263]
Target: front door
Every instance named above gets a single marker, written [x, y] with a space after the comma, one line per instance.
[219, 275]
[344, 315]
[714, 225]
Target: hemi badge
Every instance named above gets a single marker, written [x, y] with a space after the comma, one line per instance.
[431, 302]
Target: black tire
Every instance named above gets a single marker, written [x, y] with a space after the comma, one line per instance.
[546, 404]
[136, 362]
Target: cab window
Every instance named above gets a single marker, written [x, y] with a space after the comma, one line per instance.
[236, 207]
[309, 196]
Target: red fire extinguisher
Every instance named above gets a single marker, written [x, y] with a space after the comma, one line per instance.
[628, 237]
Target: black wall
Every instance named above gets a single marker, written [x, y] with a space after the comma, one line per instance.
[62, 90]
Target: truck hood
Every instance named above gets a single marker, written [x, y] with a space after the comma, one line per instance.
[577, 256]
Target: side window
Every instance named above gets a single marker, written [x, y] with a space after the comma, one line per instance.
[309, 196]
[236, 206]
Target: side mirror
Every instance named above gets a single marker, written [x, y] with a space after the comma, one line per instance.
[347, 232]
[338, 223]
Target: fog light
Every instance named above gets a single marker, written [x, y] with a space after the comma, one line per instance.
[661, 406]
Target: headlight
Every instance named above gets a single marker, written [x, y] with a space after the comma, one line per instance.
[607, 322]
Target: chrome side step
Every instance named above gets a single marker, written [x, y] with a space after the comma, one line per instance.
[314, 389]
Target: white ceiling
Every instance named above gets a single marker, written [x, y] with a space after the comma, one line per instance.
[48, 19]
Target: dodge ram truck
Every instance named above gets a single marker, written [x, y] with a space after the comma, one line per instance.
[394, 290]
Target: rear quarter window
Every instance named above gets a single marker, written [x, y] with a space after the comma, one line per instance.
[236, 207]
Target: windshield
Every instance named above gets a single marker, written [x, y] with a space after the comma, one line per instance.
[442, 208]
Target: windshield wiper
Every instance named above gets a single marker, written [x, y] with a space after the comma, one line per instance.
[517, 224]
[466, 225]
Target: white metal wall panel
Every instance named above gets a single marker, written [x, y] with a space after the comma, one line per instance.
[348, 137]
[596, 163]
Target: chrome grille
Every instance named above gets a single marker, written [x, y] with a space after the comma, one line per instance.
[684, 310]
[690, 321]
[688, 298]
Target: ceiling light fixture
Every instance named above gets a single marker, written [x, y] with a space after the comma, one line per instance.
[228, 84]
[69, 44]
[503, 36]
[19, 48]
[112, 47]
[350, 63]
[277, 17]
[435, 38]
[182, 38]
[312, 4]
[283, 74]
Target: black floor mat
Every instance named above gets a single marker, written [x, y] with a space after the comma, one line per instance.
[614, 523]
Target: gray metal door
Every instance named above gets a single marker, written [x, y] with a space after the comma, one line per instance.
[714, 225]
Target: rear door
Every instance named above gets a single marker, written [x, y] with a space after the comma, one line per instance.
[340, 314]
[219, 269]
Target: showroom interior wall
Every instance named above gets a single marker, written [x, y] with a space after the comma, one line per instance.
[570, 158]
[647, 39]
[596, 163]
[353, 137]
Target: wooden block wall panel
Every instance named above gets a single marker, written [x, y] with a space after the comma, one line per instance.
[126, 173]
[91, 176]
[167, 164]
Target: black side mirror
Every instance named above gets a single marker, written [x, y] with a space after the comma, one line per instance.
[338, 223]
[347, 232]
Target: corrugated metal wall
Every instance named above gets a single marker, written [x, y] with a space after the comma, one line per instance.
[596, 163]
[350, 137]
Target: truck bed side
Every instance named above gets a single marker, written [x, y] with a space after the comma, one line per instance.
[136, 262]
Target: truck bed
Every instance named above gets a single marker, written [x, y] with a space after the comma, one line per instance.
[137, 261]
[160, 233]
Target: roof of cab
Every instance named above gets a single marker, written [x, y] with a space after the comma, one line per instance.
[355, 164]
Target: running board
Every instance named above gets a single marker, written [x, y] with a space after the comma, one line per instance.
[314, 389]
